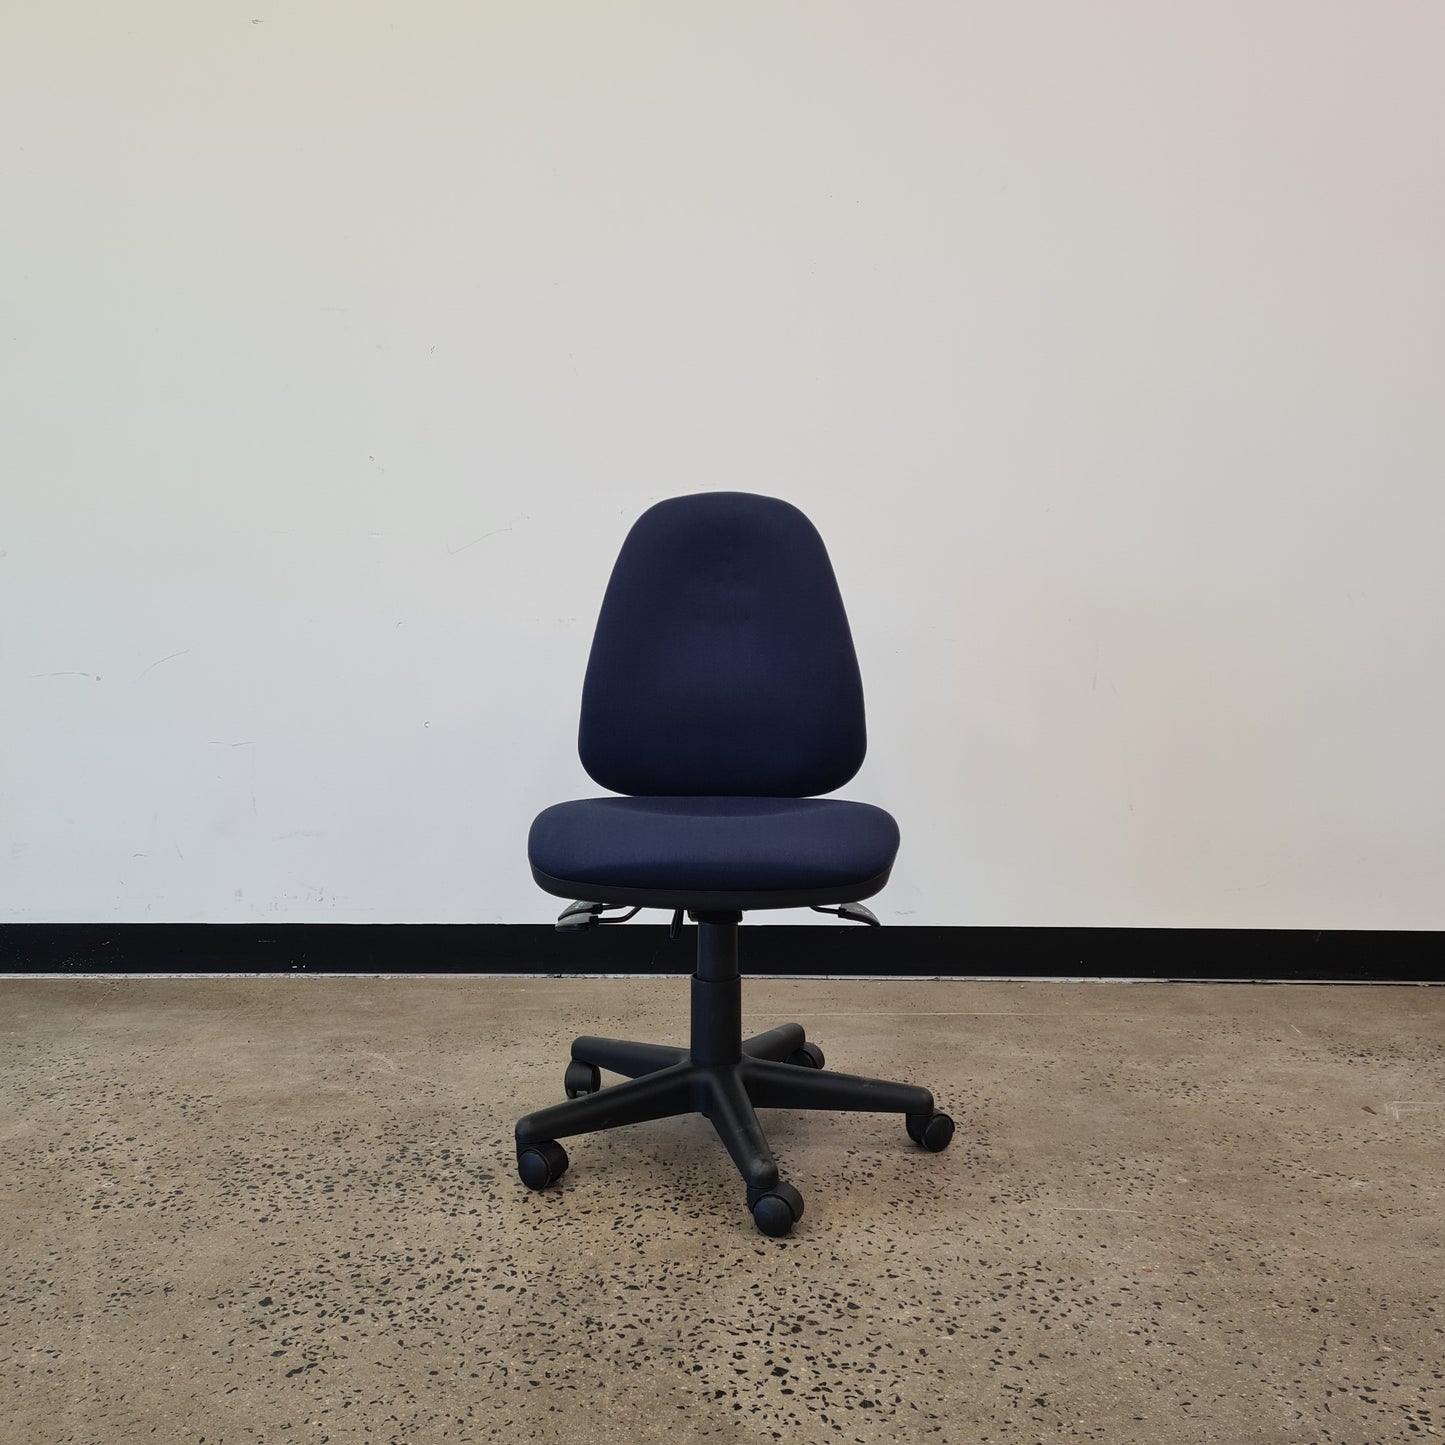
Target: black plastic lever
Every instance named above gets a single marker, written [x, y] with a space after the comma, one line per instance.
[851, 913]
[580, 916]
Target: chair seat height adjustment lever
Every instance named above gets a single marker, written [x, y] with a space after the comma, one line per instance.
[580, 916]
[852, 913]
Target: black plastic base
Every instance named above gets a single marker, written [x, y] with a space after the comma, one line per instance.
[722, 1076]
[666, 1081]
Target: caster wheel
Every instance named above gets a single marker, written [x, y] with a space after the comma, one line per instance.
[541, 1164]
[776, 1212]
[933, 1131]
[806, 1056]
[581, 1079]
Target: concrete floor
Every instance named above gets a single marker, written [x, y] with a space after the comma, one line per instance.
[265, 1211]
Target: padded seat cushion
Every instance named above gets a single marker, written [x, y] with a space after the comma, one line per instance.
[714, 843]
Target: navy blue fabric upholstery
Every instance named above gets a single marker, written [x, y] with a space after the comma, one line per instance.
[722, 660]
[722, 691]
[746, 844]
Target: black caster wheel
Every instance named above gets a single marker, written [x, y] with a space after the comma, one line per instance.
[541, 1164]
[581, 1079]
[806, 1056]
[933, 1131]
[778, 1210]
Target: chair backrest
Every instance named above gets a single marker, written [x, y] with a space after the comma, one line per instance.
[722, 663]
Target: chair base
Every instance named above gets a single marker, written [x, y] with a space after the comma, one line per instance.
[721, 1076]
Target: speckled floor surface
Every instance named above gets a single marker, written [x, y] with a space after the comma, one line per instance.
[270, 1211]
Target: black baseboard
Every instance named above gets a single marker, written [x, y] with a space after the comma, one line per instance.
[1224, 954]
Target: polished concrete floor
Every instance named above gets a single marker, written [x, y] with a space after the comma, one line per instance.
[285, 1210]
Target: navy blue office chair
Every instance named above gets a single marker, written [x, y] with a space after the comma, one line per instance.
[722, 694]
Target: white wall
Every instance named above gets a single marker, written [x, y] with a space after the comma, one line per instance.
[1104, 343]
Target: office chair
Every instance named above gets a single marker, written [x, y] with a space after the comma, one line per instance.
[722, 694]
